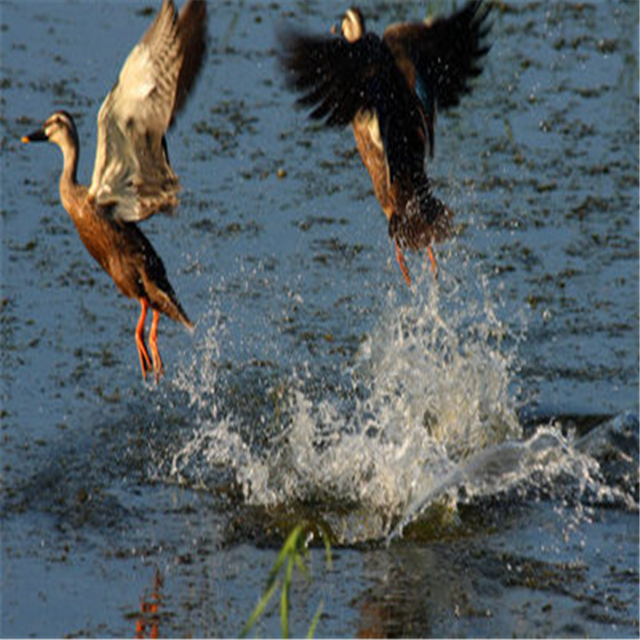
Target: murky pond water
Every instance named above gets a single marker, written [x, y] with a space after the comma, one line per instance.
[471, 446]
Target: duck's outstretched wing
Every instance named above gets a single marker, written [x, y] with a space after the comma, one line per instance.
[132, 175]
[440, 57]
[337, 79]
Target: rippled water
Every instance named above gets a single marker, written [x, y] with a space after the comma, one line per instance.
[471, 445]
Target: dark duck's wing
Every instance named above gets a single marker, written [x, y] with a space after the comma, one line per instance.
[338, 79]
[132, 177]
[440, 57]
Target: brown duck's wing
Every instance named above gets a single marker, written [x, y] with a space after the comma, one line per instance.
[440, 57]
[192, 35]
[338, 79]
[132, 170]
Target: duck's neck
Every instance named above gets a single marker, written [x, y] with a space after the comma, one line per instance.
[68, 181]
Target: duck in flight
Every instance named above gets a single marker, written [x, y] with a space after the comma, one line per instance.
[132, 178]
[389, 88]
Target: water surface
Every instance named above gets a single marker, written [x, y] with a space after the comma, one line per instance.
[437, 433]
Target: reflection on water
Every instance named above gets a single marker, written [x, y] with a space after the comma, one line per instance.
[148, 624]
[458, 588]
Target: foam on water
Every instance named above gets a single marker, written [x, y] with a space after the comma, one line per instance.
[426, 408]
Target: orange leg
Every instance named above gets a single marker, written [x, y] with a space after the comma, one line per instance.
[432, 260]
[145, 361]
[153, 343]
[402, 264]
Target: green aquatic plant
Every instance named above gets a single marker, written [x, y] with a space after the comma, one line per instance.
[293, 553]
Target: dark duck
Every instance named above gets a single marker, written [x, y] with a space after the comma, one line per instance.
[132, 178]
[389, 89]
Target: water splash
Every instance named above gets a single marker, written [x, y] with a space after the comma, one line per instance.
[439, 363]
[426, 408]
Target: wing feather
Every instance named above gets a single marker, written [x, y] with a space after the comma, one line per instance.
[339, 79]
[446, 53]
[331, 73]
[439, 58]
[132, 171]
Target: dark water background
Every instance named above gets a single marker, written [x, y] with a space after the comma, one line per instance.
[438, 432]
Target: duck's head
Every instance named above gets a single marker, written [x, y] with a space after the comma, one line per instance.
[58, 128]
[352, 26]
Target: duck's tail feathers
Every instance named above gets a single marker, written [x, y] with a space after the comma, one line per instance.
[175, 311]
[163, 298]
[425, 220]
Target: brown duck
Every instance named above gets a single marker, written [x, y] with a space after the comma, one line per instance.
[388, 88]
[132, 178]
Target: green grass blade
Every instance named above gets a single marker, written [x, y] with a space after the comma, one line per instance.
[327, 550]
[288, 548]
[293, 552]
[314, 622]
[303, 567]
[284, 597]
[260, 607]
